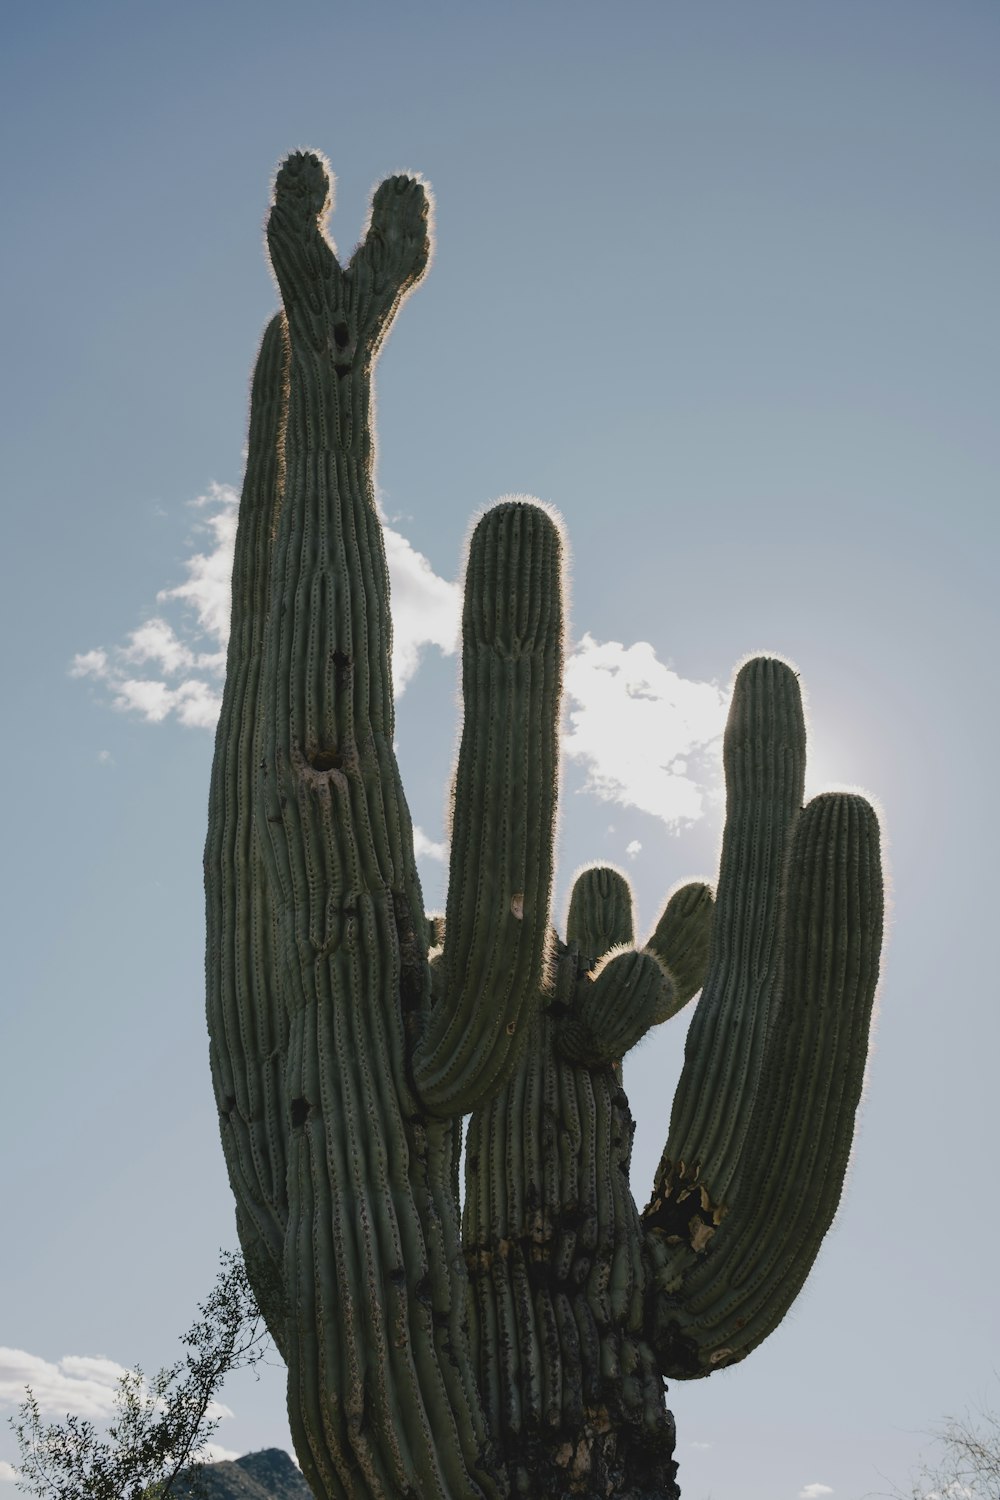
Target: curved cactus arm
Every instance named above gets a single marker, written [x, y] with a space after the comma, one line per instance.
[496, 931]
[382, 1395]
[682, 939]
[732, 1242]
[615, 1008]
[393, 255]
[246, 1014]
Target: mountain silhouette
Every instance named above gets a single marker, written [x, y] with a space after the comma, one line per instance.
[267, 1475]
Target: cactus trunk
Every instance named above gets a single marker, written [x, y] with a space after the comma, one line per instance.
[520, 1350]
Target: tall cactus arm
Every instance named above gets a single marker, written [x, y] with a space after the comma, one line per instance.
[764, 1114]
[382, 1396]
[499, 889]
[246, 1012]
[764, 754]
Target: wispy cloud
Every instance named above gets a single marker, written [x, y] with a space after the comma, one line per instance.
[79, 1385]
[174, 667]
[425, 848]
[207, 589]
[214, 1453]
[426, 609]
[76, 1385]
[182, 646]
[643, 734]
[814, 1491]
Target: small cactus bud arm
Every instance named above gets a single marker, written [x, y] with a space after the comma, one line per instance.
[764, 756]
[613, 1010]
[245, 1012]
[497, 919]
[726, 1274]
[600, 912]
[682, 938]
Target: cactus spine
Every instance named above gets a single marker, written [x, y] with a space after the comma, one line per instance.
[521, 1351]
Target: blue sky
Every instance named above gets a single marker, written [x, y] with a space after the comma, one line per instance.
[716, 281]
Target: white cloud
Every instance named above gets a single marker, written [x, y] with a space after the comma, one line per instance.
[423, 846]
[426, 609]
[89, 664]
[7, 1472]
[216, 1410]
[209, 582]
[633, 848]
[814, 1491]
[193, 701]
[636, 725]
[187, 655]
[156, 642]
[75, 1385]
[214, 1453]
[80, 1386]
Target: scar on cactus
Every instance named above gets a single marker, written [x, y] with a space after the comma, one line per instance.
[516, 1343]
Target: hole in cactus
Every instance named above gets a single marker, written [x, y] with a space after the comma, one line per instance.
[341, 368]
[341, 335]
[300, 1111]
[326, 760]
[684, 1211]
[411, 961]
[341, 665]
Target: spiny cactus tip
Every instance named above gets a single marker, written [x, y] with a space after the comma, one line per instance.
[305, 178]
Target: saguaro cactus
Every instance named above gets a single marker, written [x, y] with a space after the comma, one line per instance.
[520, 1349]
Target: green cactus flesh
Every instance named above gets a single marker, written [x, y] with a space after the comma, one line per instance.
[517, 1347]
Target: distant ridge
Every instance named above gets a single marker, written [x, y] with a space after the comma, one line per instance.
[267, 1475]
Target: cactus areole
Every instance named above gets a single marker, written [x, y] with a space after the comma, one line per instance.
[516, 1346]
